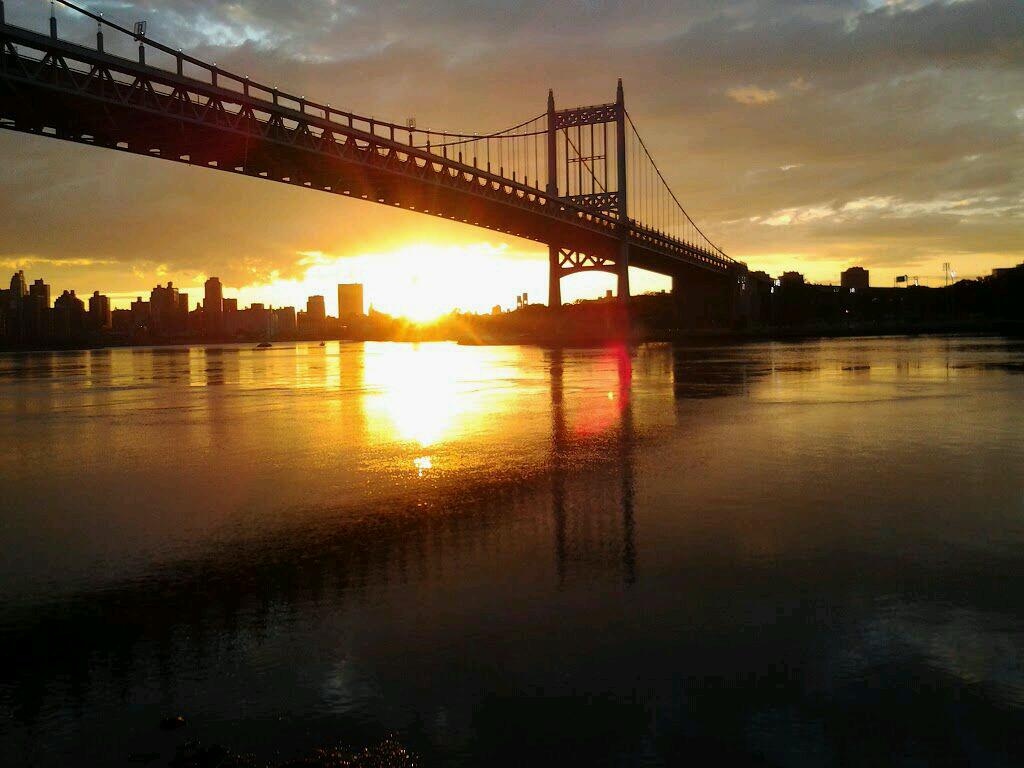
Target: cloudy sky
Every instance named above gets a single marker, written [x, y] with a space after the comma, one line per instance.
[800, 134]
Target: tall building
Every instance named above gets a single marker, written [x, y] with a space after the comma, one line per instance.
[282, 322]
[316, 310]
[19, 288]
[855, 278]
[12, 306]
[164, 308]
[314, 319]
[68, 315]
[141, 315]
[36, 317]
[40, 290]
[213, 307]
[255, 321]
[230, 316]
[350, 299]
[181, 314]
[100, 318]
[122, 321]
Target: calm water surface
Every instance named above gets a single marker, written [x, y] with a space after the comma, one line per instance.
[774, 554]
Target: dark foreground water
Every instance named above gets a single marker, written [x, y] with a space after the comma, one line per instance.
[777, 554]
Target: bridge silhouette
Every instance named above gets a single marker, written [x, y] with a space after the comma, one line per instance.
[579, 180]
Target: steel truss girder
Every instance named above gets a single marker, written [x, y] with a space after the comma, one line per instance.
[594, 115]
[571, 261]
[603, 202]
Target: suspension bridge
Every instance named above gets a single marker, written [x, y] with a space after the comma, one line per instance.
[580, 180]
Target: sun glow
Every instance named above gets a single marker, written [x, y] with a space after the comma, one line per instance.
[420, 281]
[423, 281]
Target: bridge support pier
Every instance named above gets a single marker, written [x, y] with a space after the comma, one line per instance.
[622, 272]
[554, 277]
[568, 261]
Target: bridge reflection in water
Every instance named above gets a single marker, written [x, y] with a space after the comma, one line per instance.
[583, 523]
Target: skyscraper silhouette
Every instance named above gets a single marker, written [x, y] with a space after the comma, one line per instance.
[213, 307]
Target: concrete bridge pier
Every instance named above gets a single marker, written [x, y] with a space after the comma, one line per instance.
[554, 278]
[622, 272]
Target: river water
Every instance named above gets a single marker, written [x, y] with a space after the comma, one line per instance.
[768, 554]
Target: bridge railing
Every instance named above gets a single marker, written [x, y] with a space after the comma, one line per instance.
[241, 90]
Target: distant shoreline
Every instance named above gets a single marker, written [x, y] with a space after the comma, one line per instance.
[794, 333]
[1009, 329]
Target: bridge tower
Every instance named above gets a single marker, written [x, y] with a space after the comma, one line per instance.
[620, 164]
[554, 268]
[587, 169]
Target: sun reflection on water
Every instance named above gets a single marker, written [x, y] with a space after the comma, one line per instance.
[426, 394]
[423, 464]
[416, 392]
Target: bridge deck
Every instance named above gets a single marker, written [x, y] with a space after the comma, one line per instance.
[56, 88]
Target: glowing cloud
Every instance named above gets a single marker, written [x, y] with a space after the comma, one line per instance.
[751, 95]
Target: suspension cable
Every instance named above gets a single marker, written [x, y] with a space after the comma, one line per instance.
[661, 176]
[579, 155]
[466, 138]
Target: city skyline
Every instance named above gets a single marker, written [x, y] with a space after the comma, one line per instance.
[300, 291]
[764, 305]
[29, 313]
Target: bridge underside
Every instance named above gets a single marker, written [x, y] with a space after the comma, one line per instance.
[358, 175]
[701, 298]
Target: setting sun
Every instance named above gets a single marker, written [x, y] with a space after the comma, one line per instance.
[419, 281]
[422, 281]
